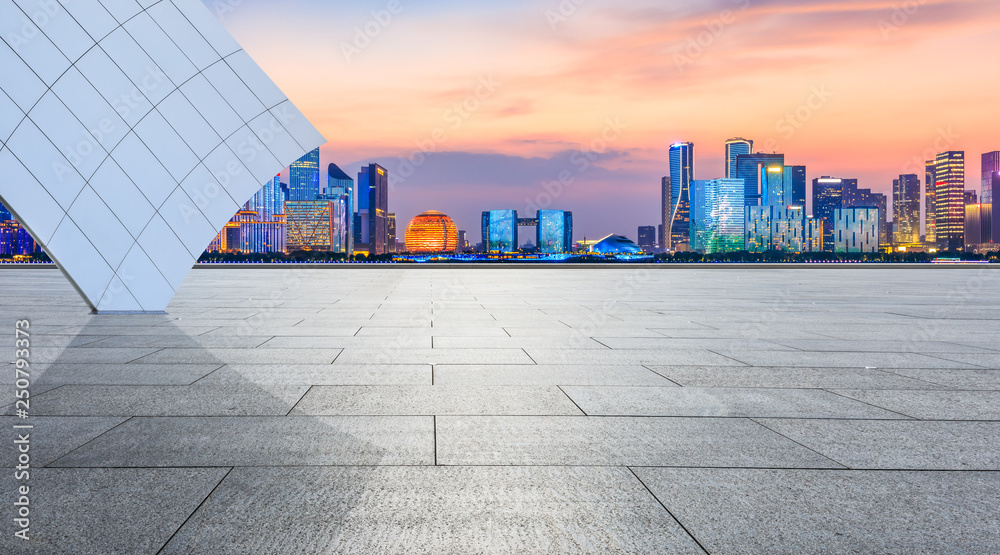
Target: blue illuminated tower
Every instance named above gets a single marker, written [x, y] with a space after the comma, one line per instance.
[734, 148]
[717, 215]
[303, 177]
[681, 175]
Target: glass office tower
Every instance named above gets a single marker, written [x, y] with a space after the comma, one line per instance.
[500, 231]
[372, 219]
[736, 147]
[991, 165]
[856, 230]
[666, 212]
[831, 194]
[303, 177]
[554, 232]
[752, 169]
[340, 186]
[906, 209]
[795, 185]
[717, 215]
[949, 194]
[681, 175]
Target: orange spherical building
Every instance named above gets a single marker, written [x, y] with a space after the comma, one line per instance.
[430, 233]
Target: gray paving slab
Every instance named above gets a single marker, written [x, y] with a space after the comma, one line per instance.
[979, 360]
[241, 356]
[785, 378]
[933, 405]
[546, 374]
[436, 400]
[78, 511]
[957, 379]
[683, 344]
[320, 374]
[844, 360]
[723, 402]
[432, 510]
[78, 355]
[53, 375]
[831, 511]
[635, 356]
[600, 441]
[571, 342]
[391, 355]
[878, 346]
[197, 400]
[51, 436]
[403, 340]
[894, 445]
[260, 441]
[175, 340]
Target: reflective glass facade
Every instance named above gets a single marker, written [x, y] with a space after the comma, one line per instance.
[500, 231]
[681, 175]
[316, 225]
[339, 184]
[906, 209]
[776, 228]
[717, 215]
[949, 178]
[554, 233]
[736, 147]
[990, 166]
[303, 177]
[15, 240]
[750, 168]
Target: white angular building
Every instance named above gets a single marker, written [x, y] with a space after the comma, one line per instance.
[130, 133]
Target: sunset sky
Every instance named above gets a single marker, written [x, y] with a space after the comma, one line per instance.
[871, 91]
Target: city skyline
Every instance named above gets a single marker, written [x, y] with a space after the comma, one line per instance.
[547, 101]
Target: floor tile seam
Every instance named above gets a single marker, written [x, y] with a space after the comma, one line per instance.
[95, 438]
[664, 506]
[196, 509]
[841, 395]
[831, 459]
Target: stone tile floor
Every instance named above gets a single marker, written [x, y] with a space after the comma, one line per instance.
[549, 410]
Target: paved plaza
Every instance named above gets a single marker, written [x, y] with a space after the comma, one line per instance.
[621, 409]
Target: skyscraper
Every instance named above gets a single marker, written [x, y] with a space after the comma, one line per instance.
[5, 214]
[950, 199]
[391, 226]
[906, 209]
[373, 209]
[340, 185]
[681, 175]
[647, 238]
[856, 230]
[995, 234]
[991, 165]
[776, 228]
[717, 215]
[734, 148]
[978, 224]
[752, 169]
[666, 211]
[831, 194]
[795, 184]
[971, 197]
[554, 232]
[303, 177]
[500, 231]
[930, 202]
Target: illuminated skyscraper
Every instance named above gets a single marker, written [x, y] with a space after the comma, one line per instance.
[978, 224]
[856, 230]
[681, 175]
[554, 232]
[666, 212]
[315, 225]
[795, 185]
[990, 166]
[775, 228]
[906, 209]
[303, 177]
[752, 169]
[500, 231]
[390, 244]
[831, 194]
[734, 148]
[373, 210]
[717, 215]
[949, 175]
[340, 185]
[930, 202]
[5, 214]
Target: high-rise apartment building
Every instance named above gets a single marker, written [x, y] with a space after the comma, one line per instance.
[681, 175]
[303, 177]
[990, 166]
[906, 209]
[949, 193]
[736, 147]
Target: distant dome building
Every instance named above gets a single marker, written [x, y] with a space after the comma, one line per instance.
[616, 244]
[430, 233]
